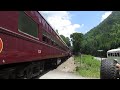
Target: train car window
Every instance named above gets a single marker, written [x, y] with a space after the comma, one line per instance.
[45, 39]
[50, 29]
[52, 42]
[27, 25]
[55, 44]
[46, 33]
[43, 22]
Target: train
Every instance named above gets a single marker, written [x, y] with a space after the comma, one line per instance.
[28, 45]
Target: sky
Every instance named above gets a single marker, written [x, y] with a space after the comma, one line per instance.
[68, 22]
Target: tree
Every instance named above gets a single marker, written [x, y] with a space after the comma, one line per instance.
[66, 40]
[77, 39]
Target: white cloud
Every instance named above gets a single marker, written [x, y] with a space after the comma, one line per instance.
[61, 20]
[105, 15]
[63, 14]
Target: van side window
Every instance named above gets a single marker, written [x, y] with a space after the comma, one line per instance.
[112, 54]
[108, 54]
[116, 54]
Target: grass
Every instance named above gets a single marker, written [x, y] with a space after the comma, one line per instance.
[87, 66]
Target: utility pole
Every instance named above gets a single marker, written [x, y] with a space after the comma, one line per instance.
[80, 58]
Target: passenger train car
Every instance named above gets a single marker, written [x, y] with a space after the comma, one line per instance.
[28, 44]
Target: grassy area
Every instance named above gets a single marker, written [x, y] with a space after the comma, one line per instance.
[87, 66]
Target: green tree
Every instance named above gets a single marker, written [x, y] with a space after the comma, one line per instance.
[66, 40]
[77, 39]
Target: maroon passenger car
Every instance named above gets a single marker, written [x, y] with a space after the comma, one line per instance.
[27, 44]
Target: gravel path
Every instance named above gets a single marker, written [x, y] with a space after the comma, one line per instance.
[68, 66]
[64, 71]
[56, 74]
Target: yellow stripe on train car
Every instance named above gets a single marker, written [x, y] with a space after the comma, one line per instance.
[1, 45]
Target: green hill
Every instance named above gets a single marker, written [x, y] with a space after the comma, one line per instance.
[105, 36]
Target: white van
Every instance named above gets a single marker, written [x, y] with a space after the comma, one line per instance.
[108, 69]
[114, 54]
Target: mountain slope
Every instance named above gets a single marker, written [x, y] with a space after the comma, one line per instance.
[105, 36]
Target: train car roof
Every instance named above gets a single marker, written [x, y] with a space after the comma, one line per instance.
[114, 50]
[53, 29]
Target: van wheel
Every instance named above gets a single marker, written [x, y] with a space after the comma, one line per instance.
[108, 70]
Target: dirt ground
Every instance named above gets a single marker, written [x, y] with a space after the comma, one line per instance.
[68, 66]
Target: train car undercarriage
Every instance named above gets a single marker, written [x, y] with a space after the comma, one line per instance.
[29, 70]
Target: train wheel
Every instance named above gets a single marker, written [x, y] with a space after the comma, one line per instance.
[55, 63]
[42, 66]
[12, 75]
[28, 73]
